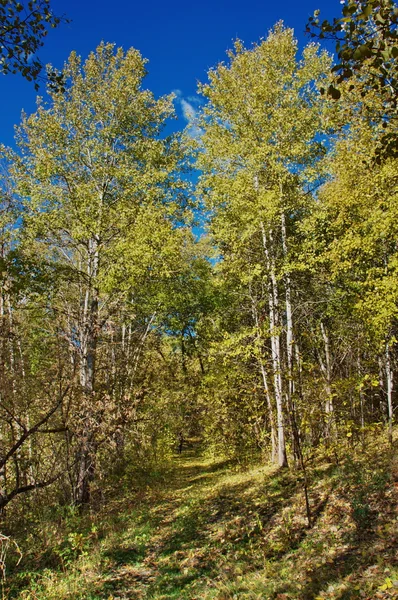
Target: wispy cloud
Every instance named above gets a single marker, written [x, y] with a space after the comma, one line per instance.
[194, 100]
[188, 110]
[189, 107]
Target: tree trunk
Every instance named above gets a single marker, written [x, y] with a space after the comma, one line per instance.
[273, 303]
[390, 386]
[289, 341]
[327, 371]
[88, 347]
[265, 384]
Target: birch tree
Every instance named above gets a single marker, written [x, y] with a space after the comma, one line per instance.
[101, 193]
[259, 148]
[354, 231]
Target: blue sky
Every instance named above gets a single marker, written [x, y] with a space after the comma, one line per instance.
[181, 39]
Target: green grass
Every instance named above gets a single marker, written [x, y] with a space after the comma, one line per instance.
[213, 531]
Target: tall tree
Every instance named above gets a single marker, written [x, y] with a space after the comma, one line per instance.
[260, 145]
[353, 236]
[100, 188]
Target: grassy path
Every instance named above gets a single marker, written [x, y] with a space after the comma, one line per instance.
[175, 548]
[210, 531]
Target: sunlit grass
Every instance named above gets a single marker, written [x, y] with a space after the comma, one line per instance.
[217, 531]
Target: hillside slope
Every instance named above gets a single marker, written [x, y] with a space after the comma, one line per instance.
[212, 530]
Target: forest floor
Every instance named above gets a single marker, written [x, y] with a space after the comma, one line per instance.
[208, 529]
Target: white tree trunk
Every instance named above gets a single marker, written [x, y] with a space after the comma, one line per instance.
[89, 331]
[390, 387]
[289, 317]
[289, 340]
[273, 304]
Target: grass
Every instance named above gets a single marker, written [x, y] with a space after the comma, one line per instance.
[215, 531]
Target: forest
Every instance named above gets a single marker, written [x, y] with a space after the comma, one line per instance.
[198, 329]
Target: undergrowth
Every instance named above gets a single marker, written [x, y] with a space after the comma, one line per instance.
[213, 530]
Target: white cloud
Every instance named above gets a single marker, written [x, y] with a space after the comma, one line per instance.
[188, 110]
[189, 107]
[194, 99]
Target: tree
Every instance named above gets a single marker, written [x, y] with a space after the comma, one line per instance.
[23, 27]
[259, 148]
[101, 192]
[33, 391]
[353, 235]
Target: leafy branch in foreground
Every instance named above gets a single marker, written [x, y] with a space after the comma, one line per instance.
[366, 42]
[23, 27]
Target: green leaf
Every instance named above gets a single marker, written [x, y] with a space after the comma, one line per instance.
[334, 92]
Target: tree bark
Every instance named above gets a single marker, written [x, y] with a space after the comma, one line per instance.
[266, 386]
[326, 368]
[390, 387]
[88, 348]
[273, 304]
[289, 340]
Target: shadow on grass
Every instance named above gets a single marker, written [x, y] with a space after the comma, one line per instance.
[122, 555]
[187, 473]
[352, 561]
[210, 525]
[205, 531]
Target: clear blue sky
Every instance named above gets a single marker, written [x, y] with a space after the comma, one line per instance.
[181, 39]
